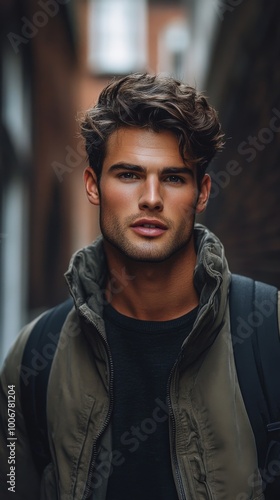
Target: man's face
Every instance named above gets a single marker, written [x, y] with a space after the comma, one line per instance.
[148, 196]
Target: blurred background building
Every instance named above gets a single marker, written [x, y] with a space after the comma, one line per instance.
[56, 56]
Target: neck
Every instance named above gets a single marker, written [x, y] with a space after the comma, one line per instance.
[156, 291]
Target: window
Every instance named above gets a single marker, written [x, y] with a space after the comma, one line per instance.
[117, 36]
[173, 49]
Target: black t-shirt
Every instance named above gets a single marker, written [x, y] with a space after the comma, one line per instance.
[143, 353]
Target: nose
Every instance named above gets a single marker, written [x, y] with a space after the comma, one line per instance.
[151, 197]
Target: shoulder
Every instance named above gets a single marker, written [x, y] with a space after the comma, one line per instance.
[254, 307]
[32, 337]
[252, 289]
[11, 366]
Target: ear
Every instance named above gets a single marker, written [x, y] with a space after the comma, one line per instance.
[91, 186]
[203, 194]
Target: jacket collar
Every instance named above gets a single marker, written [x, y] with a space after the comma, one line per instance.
[86, 278]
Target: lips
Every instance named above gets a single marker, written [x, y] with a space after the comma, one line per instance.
[149, 227]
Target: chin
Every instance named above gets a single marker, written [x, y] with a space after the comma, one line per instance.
[150, 256]
[148, 259]
[149, 252]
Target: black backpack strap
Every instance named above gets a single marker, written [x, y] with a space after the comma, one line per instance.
[266, 303]
[256, 346]
[34, 375]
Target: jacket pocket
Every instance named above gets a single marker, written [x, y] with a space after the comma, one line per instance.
[48, 484]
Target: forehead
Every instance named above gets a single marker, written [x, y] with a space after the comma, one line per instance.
[143, 147]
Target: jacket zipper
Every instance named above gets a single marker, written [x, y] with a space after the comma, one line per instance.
[174, 455]
[207, 489]
[202, 478]
[108, 416]
[173, 438]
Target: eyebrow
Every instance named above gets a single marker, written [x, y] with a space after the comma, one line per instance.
[140, 169]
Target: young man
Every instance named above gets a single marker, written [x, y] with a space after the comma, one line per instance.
[143, 400]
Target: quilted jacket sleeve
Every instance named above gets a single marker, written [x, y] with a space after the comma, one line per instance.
[18, 476]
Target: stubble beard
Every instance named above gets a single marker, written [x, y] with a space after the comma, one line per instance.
[149, 250]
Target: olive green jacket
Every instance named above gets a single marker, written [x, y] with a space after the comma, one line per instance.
[211, 441]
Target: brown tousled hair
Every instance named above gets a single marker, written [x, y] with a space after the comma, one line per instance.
[158, 103]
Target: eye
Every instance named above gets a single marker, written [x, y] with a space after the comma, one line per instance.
[175, 179]
[128, 176]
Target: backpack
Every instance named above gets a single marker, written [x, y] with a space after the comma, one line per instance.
[256, 346]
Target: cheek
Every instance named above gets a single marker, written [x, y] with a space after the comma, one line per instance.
[185, 208]
[118, 199]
